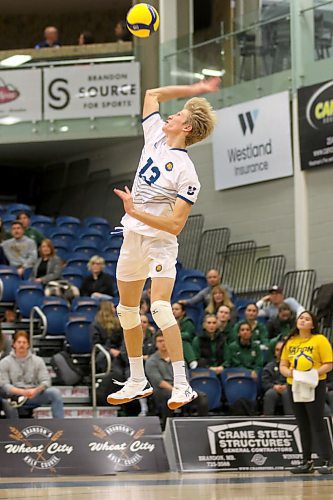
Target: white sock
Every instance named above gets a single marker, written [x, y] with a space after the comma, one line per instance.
[179, 374]
[136, 369]
[143, 405]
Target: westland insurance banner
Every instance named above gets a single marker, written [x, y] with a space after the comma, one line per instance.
[86, 91]
[20, 94]
[315, 118]
[252, 142]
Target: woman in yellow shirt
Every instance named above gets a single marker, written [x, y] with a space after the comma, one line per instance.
[305, 345]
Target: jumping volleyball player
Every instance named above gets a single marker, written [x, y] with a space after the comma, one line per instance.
[165, 187]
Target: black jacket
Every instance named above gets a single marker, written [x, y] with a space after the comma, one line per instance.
[103, 284]
[271, 376]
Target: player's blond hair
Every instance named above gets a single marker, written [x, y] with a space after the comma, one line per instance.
[202, 118]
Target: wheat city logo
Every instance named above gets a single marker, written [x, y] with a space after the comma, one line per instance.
[38, 446]
[247, 120]
[124, 444]
[8, 92]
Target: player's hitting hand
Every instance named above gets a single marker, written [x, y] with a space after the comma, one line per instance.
[126, 198]
[210, 85]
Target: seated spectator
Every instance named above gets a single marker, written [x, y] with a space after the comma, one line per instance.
[243, 352]
[48, 266]
[25, 374]
[106, 330]
[160, 374]
[145, 298]
[31, 232]
[220, 297]
[268, 305]
[283, 323]
[187, 331]
[20, 250]
[213, 278]
[51, 36]
[275, 386]
[121, 32]
[4, 235]
[98, 284]
[259, 330]
[148, 346]
[225, 325]
[210, 345]
[86, 38]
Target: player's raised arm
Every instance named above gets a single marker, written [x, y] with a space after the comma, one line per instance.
[154, 96]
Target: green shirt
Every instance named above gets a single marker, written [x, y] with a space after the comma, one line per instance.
[35, 235]
[238, 355]
[259, 333]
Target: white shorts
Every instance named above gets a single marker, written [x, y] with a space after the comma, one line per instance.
[146, 256]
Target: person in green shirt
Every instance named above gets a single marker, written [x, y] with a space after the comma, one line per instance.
[187, 331]
[259, 330]
[244, 352]
[224, 321]
[31, 232]
[210, 345]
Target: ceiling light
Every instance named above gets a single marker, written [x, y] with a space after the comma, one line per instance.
[212, 72]
[17, 60]
[64, 128]
[9, 120]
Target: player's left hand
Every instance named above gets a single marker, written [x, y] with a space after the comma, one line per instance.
[126, 198]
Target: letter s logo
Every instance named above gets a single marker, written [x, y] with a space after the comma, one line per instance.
[58, 94]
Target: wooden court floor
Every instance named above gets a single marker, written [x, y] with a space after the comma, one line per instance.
[172, 486]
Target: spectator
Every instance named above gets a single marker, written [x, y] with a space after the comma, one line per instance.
[224, 323]
[48, 265]
[259, 330]
[148, 346]
[3, 259]
[219, 297]
[4, 235]
[268, 305]
[50, 38]
[283, 323]
[5, 345]
[213, 278]
[25, 374]
[121, 32]
[275, 386]
[145, 298]
[86, 38]
[31, 232]
[243, 352]
[160, 374]
[209, 346]
[20, 250]
[98, 284]
[106, 330]
[187, 331]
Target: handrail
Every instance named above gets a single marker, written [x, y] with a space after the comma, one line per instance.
[315, 7]
[42, 316]
[94, 375]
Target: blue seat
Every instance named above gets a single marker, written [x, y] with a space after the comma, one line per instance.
[88, 306]
[110, 257]
[115, 241]
[74, 275]
[71, 223]
[98, 223]
[56, 311]
[205, 380]
[62, 233]
[110, 268]
[16, 208]
[41, 222]
[79, 260]
[61, 248]
[77, 333]
[10, 281]
[7, 219]
[185, 292]
[196, 314]
[88, 247]
[196, 278]
[240, 387]
[29, 295]
[91, 234]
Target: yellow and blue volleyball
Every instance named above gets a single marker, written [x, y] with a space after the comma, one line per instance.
[303, 362]
[142, 20]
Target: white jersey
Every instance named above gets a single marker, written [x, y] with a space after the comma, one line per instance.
[163, 174]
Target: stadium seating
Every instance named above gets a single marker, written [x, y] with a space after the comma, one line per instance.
[29, 295]
[205, 380]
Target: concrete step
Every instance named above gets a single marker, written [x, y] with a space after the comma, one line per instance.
[79, 412]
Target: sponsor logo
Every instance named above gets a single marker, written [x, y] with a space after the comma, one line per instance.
[124, 444]
[169, 166]
[158, 268]
[8, 92]
[319, 110]
[247, 120]
[258, 459]
[38, 446]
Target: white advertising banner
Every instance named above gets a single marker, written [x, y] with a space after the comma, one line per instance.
[20, 95]
[252, 142]
[86, 91]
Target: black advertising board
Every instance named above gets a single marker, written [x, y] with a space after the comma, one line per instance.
[235, 444]
[315, 120]
[48, 447]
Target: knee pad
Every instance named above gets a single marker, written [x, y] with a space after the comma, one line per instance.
[162, 314]
[129, 317]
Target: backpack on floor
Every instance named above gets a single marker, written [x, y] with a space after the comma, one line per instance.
[68, 373]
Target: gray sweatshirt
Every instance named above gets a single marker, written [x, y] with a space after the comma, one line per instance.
[21, 252]
[23, 373]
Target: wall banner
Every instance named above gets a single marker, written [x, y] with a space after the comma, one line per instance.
[235, 444]
[252, 142]
[89, 91]
[44, 447]
[20, 95]
[315, 119]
